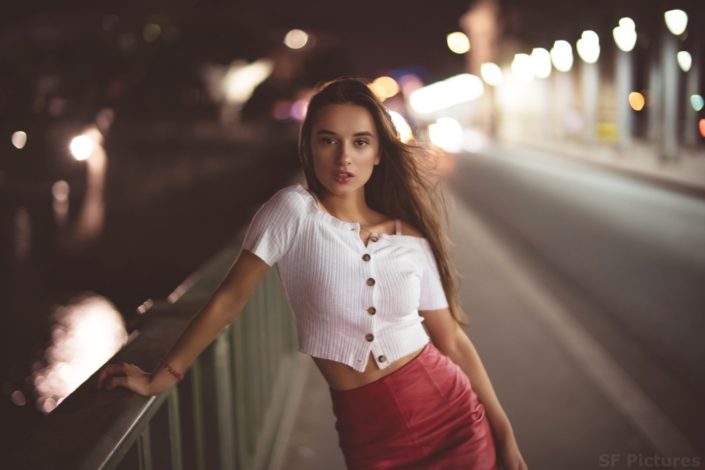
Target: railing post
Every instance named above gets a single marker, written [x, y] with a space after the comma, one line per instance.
[198, 415]
[174, 429]
[144, 450]
[240, 395]
[224, 393]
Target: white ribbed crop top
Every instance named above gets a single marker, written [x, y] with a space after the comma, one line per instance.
[349, 299]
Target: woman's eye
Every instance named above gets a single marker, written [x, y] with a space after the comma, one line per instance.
[327, 140]
[361, 143]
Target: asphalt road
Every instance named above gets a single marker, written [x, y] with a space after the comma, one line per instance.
[607, 273]
[585, 296]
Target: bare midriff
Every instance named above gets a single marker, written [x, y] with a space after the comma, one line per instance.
[343, 377]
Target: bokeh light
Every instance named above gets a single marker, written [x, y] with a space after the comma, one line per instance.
[151, 32]
[589, 46]
[87, 333]
[402, 126]
[625, 34]
[241, 79]
[491, 73]
[541, 62]
[522, 68]
[19, 139]
[87, 144]
[409, 83]
[701, 127]
[296, 39]
[384, 87]
[18, 398]
[446, 133]
[697, 102]
[281, 111]
[60, 191]
[299, 108]
[676, 21]
[458, 42]
[562, 55]
[685, 60]
[636, 101]
[104, 119]
[446, 93]
[82, 147]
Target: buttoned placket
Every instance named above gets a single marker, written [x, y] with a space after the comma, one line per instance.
[368, 258]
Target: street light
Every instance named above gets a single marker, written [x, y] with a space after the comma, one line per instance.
[19, 139]
[685, 60]
[676, 21]
[82, 146]
[562, 59]
[491, 73]
[625, 38]
[296, 39]
[458, 42]
[541, 62]
[562, 56]
[521, 68]
[589, 46]
[625, 34]
[589, 50]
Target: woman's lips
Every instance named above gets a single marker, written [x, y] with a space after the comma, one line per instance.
[343, 177]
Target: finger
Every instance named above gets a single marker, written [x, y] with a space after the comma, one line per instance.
[134, 383]
[111, 370]
[118, 381]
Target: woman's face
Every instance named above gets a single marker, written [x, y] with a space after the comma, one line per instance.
[345, 148]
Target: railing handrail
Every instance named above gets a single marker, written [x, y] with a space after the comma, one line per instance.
[96, 429]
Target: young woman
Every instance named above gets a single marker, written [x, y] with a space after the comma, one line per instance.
[365, 264]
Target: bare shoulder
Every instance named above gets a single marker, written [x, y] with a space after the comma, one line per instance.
[408, 229]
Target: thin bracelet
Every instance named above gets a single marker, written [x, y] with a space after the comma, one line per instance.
[171, 370]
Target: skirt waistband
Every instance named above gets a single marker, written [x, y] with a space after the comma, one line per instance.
[429, 350]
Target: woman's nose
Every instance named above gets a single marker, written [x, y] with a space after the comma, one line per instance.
[344, 154]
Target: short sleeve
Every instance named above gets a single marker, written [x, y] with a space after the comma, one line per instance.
[274, 226]
[433, 296]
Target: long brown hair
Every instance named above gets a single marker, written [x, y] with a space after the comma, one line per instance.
[401, 186]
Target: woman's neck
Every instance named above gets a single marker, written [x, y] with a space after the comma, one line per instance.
[350, 208]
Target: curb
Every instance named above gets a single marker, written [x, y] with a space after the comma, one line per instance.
[664, 180]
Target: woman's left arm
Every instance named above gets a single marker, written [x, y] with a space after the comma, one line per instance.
[452, 341]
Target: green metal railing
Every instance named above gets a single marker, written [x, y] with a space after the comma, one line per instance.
[230, 411]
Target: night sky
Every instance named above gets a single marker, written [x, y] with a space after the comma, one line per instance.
[375, 36]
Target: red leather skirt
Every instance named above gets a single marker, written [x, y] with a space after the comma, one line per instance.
[424, 415]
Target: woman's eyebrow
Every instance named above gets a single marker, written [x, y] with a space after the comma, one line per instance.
[356, 134]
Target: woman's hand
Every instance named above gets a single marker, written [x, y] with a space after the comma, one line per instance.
[509, 455]
[125, 375]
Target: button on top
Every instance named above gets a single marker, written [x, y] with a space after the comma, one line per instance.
[366, 257]
[371, 310]
[370, 282]
[369, 336]
[374, 238]
[382, 358]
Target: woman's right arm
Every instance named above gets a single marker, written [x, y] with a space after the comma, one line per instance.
[224, 306]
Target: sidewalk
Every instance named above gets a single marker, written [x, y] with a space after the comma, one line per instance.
[642, 160]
